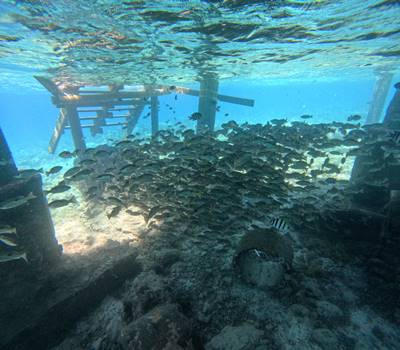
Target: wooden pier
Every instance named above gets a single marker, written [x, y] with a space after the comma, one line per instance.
[121, 106]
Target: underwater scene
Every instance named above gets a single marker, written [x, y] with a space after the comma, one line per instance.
[200, 175]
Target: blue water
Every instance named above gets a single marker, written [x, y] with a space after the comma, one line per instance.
[28, 117]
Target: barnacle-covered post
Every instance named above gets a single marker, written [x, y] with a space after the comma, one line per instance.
[154, 114]
[392, 117]
[207, 103]
[25, 214]
[391, 123]
[379, 96]
[76, 129]
[7, 166]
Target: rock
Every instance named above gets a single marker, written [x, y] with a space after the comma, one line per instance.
[321, 267]
[298, 310]
[262, 273]
[324, 338]
[165, 259]
[312, 288]
[244, 337]
[329, 313]
[149, 291]
[164, 327]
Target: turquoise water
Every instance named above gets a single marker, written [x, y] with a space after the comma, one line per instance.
[28, 117]
[292, 57]
[187, 202]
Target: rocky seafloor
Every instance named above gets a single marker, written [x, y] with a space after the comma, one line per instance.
[189, 296]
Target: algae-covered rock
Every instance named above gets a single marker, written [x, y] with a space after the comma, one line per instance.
[324, 338]
[330, 313]
[244, 337]
[164, 327]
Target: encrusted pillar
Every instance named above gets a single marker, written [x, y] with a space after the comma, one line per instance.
[207, 103]
[76, 129]
[379, 97]
[154, 114]
[25, 214]
[7, 166]
[392, 117]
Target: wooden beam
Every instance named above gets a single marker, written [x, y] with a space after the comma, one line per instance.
[58, 131]
[76, 130]
[88, 126]
[236, 100]
[93, 117]
[48, 85]
[154, 115]
[106, 98]
[222, 98]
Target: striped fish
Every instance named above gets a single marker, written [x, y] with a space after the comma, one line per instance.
[395, 136]
[279, 224]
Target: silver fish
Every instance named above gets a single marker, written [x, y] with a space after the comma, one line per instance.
[13, 256]
[8, 241]
[16, 202]
[8, 230]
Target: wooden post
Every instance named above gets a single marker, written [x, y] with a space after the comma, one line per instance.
[207, 103]
[7, 166]
[99, 122]
[154, 114]
[379, 97]
[58, 131]
[76, 130]
[134, 116]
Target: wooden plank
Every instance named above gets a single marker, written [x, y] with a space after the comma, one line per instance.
[88, 126]
[106, 98]
[76, 130]
[93, 117]
[58, 131]
[236, 100]
[222, 98]
[134, 117]
[154, 114]
[48, 85]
